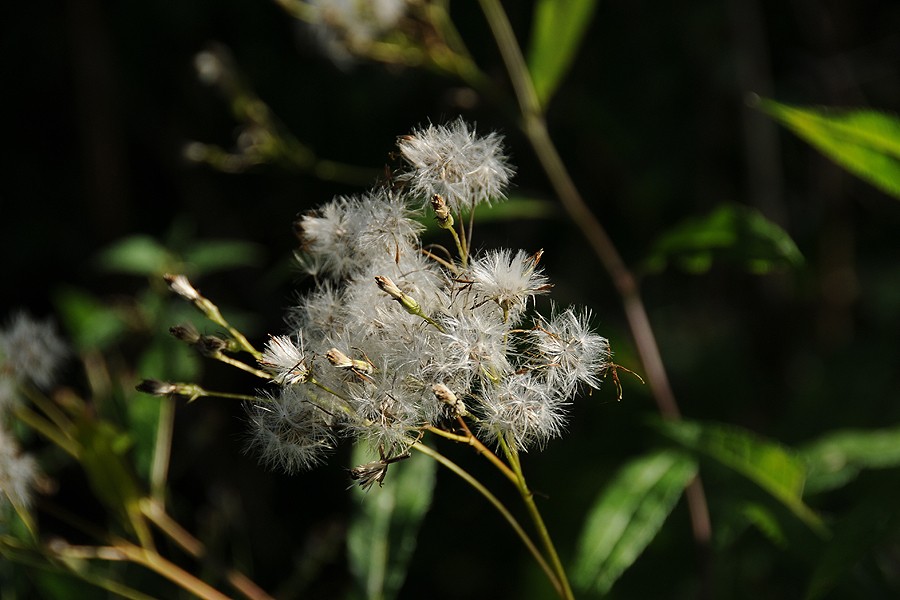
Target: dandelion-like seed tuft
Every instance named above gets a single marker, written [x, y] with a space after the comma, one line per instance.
[455, 163]
[392, 339]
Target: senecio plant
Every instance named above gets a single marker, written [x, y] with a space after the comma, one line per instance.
[397, 340]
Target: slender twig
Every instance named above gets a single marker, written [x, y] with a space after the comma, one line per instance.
[529, 544]
[535, 128]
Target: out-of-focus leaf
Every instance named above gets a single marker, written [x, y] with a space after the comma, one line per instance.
[770, 465]
[558, 27]
[838, 457]
[731, 234]
[104, 458]
[91, 323]
[216, 255]
[858, 534]
[627, 516]
[865, 142]
[385, 524]
[762, 518]
[136, 255]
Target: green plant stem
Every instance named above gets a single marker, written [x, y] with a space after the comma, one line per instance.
[535, 128]
[529, 544]
[512, 456]
[162, 451]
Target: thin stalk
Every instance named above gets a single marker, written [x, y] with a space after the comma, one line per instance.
[528, 497]
[47, 429]
[159, 565]
[240, 365]
[535, 128]
[480, 448]
[500, 508]
[50, 409]
[162, 451]
[157, 514]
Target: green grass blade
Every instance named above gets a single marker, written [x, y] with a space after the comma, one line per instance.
[865, 142]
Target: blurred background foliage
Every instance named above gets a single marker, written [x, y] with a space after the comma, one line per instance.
[98, 198]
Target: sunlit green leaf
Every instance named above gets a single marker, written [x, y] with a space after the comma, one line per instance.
[838, 457]
[770, 465]
[136, 255]
[732, 234]
[627, 516]
[558, 27]
[865, 142]
[385, 524]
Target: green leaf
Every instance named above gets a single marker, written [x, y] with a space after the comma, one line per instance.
[627, 516]
[558, 27]
[136, 255]
[104, 456]
[865, 142]
[773, 467]
[208, 256]
[732, 234]
[91, 323]
[867, 529]
[838, 457]
[383, 529]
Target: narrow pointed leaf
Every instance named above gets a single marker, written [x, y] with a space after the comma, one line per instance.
[865, 142]
[773, 467]
[558, 26]
[838, 457]
[385, 524]
[627, 516]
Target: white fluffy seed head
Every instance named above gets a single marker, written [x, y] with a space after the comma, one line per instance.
[289, 432]
[422, 326]
[31, 350]
[454, 162]
[18, 472]
[285, 359]
[567, 352]
[522, 409]
[510, 280]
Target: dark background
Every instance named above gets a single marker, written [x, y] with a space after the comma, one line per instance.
[101, 97]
